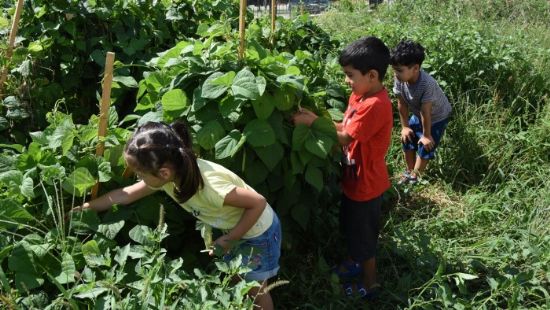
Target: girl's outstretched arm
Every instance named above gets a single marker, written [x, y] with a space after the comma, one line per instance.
[121, 196]
[253, 203]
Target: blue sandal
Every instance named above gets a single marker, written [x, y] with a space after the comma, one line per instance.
[369, 294]
[348, 289]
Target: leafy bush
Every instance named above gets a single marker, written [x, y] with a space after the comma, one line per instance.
[62, 48]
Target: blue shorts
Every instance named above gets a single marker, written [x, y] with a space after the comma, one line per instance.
[437, 133]
[261, 253]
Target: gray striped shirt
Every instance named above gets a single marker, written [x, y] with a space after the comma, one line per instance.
[425, 89]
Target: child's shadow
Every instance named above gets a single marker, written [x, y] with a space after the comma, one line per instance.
[460, 160]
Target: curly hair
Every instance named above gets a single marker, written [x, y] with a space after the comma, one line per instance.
[407, 53]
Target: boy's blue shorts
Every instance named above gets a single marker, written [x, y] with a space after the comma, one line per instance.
[261, 253]
[437, 132]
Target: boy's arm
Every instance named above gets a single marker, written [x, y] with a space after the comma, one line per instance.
[406, 132]
[426, 119]
[123, 196]
[306, 117]
[253, 205]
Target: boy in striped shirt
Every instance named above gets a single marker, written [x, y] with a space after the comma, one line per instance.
[418, 94]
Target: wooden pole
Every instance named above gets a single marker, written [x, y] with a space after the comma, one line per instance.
[242, 15]
[104, 110]
[11, 44]
[273, 14]
[273, 18]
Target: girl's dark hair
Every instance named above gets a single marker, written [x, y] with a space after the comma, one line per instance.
[365, 54]
[155, 144]
[407, 53]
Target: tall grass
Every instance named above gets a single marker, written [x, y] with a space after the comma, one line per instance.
[478, 234]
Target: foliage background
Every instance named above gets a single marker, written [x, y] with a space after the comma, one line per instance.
[473, 235]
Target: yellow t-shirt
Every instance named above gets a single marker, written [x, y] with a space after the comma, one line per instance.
[207, 204]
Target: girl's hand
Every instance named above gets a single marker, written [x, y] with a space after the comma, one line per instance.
[223, 243]
[427, 142]
[406, 135]
[84, 206]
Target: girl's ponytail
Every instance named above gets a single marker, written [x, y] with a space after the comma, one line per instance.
[188, 170]
[182, 130]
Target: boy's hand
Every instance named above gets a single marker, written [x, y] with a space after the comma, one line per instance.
[304, 116]
[407, 134]
[428, 143]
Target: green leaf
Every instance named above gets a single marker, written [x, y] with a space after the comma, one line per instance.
[11, 177]
[92, 254]
[264, 106]
[89, 290]
[27, 188]
[122, 254]
[68, 269]
[270, 155]
[110, 230]
[300, 213]
[63, 136]
[255, 172]
[299, 135]
[25, 281]
[285, 98]
[294, 81]
[174, 52]
[127, 81]
[216, 84]
[245, 87]
[210, 134]
[314, 176]
[319, 145]
[261, 83]
[35, 47]
[142, 235]
[198, 100]
[153, 116]
[229, 145]
[12, 213]
[325, 126]
[259, 133]
[4, 124]
[104, 171]
[174, 100]
[78, 182]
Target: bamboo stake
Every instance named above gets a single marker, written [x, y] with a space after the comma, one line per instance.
[242, 15]
[273, 14]
[104, 110]
[11, 44]
[273, 18]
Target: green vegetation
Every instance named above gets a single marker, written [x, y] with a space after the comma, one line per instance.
[474, 234]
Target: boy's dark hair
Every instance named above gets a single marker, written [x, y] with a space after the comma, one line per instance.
[155, 144]
[407, 53]
[365, 54]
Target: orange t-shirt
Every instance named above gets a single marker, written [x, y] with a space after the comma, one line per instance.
[369, 122]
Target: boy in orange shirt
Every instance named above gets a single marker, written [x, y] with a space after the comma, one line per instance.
[365, 135]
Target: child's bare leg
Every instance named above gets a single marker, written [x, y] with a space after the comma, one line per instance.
[369, 272]
[410, 156]
[262, 300]
[419, 166]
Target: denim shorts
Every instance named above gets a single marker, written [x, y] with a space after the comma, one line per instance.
[261, 253]
[437, 133]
